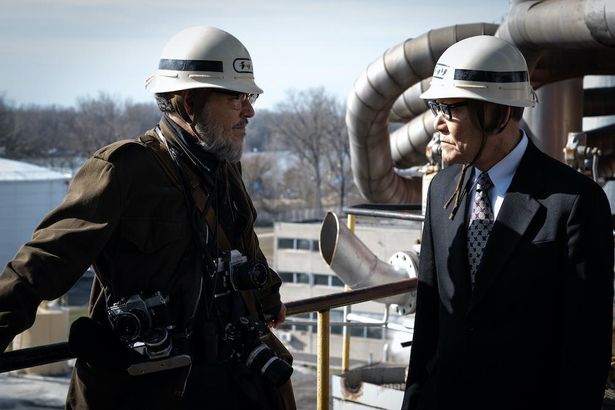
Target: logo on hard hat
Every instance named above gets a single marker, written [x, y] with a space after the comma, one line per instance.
[440, 71]
[242, 65]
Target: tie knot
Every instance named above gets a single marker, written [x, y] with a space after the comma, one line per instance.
[483, 183]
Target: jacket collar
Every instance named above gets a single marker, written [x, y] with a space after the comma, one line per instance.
[188, 147]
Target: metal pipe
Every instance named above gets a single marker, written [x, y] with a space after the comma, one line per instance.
[340, 299]
[560, 24]
[409, 105]
[406, 216]
[345, 333]
[35, 356]
[559, 112]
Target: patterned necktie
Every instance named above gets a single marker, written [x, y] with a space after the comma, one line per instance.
[481, 222]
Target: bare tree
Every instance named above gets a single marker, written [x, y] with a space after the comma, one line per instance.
[304, 125]
[259, 181]
[338, 155]
[8, 140]
[98, 121]
[136, 118]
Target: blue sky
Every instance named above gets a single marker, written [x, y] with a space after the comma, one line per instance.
[54, 51]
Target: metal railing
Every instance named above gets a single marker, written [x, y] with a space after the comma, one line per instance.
[39, 355]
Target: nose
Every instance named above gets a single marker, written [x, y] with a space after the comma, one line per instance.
[438, 123]
[247, 110]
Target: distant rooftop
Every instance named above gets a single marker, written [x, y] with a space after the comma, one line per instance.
[21, 171]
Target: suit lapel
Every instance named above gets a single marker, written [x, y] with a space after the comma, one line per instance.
[457, 238]
[515, 216]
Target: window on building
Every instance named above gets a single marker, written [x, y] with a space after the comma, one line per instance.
[302, 278]
[305, 328]
[315, 245]
[286, 243]
[357, 331]
[337, 316]
[285, 326]
[304, 244]
[374, 333]
[321, 279]
[335, 281]
[287, 276]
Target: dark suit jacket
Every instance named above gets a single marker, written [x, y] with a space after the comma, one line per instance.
[536, 331]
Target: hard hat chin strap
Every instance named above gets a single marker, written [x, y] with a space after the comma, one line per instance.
[179, 101]
[460, 192]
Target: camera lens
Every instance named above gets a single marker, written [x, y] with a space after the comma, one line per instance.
[127, 326]
[264, 361]
[249, 276]
[158, 343]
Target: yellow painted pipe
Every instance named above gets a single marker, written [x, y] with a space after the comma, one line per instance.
[322, 367]
[352, 219]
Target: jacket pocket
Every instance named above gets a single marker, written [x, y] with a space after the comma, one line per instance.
[151, 234]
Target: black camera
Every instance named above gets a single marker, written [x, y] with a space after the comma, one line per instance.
[247, 348]
[240, 273]
[144, 324]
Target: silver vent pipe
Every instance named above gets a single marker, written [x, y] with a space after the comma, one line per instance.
[358, 267]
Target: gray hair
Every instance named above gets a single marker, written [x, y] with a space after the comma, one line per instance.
[163, 100]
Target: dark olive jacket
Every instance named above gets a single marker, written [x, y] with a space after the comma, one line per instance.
[126, 214]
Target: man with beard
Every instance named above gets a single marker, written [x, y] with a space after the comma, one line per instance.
[182, 295]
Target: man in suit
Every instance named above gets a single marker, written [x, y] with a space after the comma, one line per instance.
[515, 290]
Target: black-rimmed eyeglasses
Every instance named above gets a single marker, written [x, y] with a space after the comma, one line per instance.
[444, 109]
[239, 97]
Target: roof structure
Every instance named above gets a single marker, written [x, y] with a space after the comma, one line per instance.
[11, 170]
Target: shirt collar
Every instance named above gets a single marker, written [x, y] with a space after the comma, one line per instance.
[501, 174]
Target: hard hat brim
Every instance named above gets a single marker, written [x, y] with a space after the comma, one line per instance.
[166, 82]
[518, 93]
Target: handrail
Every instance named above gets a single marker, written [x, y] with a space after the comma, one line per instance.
[39, 355]
[335, 300]
[391, 211]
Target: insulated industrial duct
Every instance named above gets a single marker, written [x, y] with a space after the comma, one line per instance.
[561, 39]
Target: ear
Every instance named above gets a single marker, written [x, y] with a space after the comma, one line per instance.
[188, 102]
[506, 118]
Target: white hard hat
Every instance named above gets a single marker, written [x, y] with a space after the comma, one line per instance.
[483, 68]
[203, 57]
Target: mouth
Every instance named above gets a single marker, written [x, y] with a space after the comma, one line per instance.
[241, 125]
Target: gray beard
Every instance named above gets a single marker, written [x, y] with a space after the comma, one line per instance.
[211, 139]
